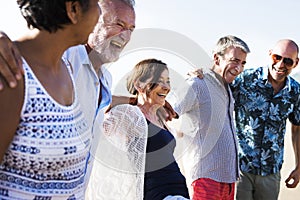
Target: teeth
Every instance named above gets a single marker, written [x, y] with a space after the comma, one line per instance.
[117, 44]
[279, 70]
[162, 95]
[233, 74]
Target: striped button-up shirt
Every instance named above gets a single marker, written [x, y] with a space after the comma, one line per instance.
[205, 107]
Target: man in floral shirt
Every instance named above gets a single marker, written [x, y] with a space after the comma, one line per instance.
[264, 99]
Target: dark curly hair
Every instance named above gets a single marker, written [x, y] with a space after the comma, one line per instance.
[49, 15]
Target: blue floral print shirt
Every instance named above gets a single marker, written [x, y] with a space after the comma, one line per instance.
[261, 120]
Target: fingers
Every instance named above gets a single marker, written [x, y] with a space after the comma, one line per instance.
[10, 61]
[108, 109]
[200, 73]
[132, 100]
[172, 115]
[7, 74]
[196, 73]
[170, 112]
[291, 182]
[19, 71]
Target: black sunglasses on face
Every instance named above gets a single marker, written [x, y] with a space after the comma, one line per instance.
[288, 62]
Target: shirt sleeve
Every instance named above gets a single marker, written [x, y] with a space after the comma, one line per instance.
[294, 117]
[185, 98]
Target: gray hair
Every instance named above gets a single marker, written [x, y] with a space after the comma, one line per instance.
[230, 41]
[130, 3]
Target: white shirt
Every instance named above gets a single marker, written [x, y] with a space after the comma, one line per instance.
[206, 110]
[87, 83]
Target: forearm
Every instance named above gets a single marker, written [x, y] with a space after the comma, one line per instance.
[116, 100]
[296, 144]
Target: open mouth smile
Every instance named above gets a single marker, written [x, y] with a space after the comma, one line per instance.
[117, 44]
[279, 70]
[161, 95]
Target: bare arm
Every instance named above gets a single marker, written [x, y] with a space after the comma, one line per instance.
[117, 100]
[11, 101]
[293, 179]
[10, 62]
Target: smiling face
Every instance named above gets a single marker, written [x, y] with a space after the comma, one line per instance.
[231, 64]
[157, 96]
[283, 59]
[113, 30]
[150, 82]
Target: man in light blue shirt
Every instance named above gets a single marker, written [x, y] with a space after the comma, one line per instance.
[93, 81]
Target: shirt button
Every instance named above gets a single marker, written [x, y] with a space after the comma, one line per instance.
[97, 83]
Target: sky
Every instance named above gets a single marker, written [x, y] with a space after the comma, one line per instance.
[259, 23]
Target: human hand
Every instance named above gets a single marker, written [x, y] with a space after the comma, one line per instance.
[168, 112]
[108, 109]
[133, 101]
[293, 179]
[10, 61]
[196, 73]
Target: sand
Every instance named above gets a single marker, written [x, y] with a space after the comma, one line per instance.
[287, 168]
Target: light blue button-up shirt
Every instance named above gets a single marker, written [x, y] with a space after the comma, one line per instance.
[88, 84]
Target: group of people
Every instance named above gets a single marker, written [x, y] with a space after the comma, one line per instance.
[262, 99]
[55, 131]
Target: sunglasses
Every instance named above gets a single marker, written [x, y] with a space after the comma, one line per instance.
[288, 62]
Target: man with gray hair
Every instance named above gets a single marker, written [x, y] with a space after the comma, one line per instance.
[205, 107]
[93, 81]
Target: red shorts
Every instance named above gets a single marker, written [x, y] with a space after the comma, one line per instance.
[208, 189]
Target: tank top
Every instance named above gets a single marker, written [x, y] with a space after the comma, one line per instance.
[163, 176]
[48, 154]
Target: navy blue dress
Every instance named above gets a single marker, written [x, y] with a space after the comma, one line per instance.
[162, 174]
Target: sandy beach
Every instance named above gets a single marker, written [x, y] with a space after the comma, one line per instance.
[288, 166]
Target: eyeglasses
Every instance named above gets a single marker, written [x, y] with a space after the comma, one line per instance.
[288, 62]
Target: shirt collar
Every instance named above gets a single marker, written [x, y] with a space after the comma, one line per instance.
[84, 57]
[86, 60]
